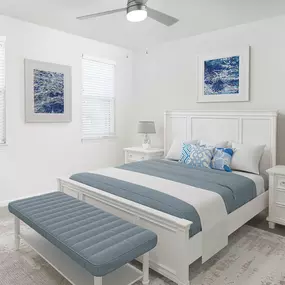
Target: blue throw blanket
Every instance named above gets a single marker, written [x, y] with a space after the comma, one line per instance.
[235, 190]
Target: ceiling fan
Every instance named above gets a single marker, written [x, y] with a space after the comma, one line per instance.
[137, 11]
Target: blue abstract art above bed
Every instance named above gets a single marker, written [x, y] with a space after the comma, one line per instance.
[48, 92]
[221, 76]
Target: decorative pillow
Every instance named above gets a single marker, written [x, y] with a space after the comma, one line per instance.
[247, 157]
[222, 159]
[221, 144]
[175, 150]
[196, 156]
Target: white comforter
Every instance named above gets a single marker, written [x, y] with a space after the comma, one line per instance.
[209, 205]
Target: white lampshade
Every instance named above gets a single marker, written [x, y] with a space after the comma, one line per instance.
[146, 127]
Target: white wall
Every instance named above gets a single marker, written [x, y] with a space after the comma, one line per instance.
[38, 153]
[165, 79]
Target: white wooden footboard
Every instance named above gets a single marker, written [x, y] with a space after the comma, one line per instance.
[175, 251]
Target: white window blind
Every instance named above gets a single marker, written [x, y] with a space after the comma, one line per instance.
[98, 99]
[2, 93]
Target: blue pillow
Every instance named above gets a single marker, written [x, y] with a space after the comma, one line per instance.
[196, 156]
[222, 159]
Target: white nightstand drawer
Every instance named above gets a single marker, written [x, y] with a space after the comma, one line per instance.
[280, 196]
[280, 182]
[276, 196]
[133, 154]
[279, 212]
[136, 156]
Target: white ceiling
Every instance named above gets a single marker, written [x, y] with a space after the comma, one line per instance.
[196, 17]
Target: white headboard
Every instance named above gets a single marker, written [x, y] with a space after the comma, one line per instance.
[252, 127]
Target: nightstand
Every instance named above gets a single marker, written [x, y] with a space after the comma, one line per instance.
[276, 196]
[133, 154]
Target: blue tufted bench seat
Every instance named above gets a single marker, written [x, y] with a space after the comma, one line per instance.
[96, 240]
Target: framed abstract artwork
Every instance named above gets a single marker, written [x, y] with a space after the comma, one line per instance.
[48, 92]
[224, 76]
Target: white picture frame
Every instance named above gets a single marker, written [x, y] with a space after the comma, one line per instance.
[224, 76]
[48, 92]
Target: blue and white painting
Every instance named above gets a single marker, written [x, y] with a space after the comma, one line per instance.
[222, 76]
[48, 92]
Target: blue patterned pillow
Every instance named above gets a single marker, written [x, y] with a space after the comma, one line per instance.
[222, 159]
[196, 156]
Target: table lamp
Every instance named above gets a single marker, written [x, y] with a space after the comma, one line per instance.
[146, 128]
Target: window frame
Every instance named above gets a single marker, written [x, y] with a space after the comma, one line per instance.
[4, 143]
[99, 137]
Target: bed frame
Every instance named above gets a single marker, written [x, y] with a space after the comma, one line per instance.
[175, 250]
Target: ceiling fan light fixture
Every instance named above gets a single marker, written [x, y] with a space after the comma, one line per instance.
[136, 13]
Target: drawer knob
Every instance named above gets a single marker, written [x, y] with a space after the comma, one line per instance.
[131, 155]
[282, 183]
[142, 157]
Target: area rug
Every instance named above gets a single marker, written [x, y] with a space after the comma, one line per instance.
[253, 257]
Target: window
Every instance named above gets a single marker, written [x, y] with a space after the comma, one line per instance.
[98, 99]
[2, 92]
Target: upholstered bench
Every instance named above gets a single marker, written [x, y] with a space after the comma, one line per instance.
[79, 239]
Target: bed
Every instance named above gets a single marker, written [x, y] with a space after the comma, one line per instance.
[180, 238]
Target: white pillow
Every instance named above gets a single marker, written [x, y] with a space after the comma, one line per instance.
[247, 157]
[213, 144]
[175, 150]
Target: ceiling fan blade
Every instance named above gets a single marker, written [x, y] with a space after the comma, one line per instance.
[161, 17]
[100, 14]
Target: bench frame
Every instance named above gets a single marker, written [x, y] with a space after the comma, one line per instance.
[144, 274]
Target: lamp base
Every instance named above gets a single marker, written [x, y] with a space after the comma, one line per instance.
[146, 142]
[146, 146]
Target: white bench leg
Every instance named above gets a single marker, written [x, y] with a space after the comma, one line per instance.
[146, 269]
[17, 233]
[98, 281]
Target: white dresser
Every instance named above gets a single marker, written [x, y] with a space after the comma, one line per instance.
[133, 154]
[276, 196]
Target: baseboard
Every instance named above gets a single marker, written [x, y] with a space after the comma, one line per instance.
[4, 212]
[4, 204]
